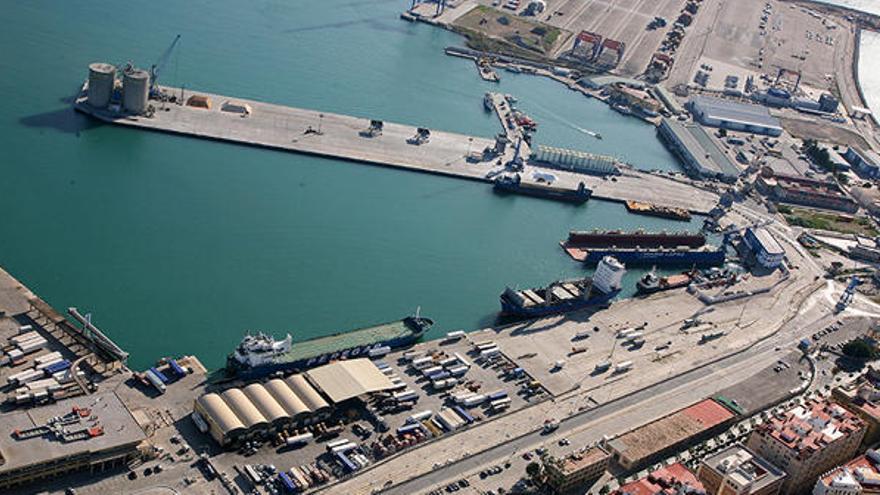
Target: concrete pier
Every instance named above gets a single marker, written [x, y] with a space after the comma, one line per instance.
[343, 137]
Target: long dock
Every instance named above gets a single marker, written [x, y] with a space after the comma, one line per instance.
[344, 137]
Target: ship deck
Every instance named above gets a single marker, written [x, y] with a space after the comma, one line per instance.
[347, 340]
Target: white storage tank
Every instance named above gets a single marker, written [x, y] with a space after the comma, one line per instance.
[135, 90]
[101, 79]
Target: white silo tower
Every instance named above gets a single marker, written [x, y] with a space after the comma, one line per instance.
[101, 79]
[135, 90]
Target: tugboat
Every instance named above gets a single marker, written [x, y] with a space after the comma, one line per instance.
[651, 283]
[566, 295]
[488, 103]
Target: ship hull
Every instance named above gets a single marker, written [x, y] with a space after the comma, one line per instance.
[237, 370]
[658, 257]
[643, 288]
[574, 197]
[509, 308]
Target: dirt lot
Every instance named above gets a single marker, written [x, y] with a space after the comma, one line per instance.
[523, 32]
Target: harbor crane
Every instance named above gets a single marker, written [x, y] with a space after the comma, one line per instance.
[156, 68]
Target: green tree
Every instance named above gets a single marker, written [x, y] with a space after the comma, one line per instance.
[533, 470]
[859, 349]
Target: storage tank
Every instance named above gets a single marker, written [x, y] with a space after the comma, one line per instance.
[135, 89]
[101, 79]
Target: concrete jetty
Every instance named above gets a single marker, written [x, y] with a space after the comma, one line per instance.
[345, 137]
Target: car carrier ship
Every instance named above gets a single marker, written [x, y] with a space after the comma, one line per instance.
[261, 354]
[566, 295]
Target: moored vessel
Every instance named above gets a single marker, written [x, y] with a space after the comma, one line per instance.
[566, 295]
[652, 283]
[514, 184]
[657, 210]
[261, 354]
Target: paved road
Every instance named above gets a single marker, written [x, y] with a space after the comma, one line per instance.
[694, 385]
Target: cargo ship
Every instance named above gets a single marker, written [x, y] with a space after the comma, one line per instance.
[658, 211]
[637, 238]
[651, 283]
[680, 256]
[261, 355]
[514, 184]
[566, 295]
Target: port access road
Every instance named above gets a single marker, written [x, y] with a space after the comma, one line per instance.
[343, 137]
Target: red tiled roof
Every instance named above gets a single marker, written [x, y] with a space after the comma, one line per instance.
[663, 481]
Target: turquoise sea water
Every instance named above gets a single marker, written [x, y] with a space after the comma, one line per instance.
[179, 245]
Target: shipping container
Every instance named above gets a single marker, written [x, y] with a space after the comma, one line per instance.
[24, 337]
[406, 396]
[176, 368]
[432, 370]
[415, 418]
[155, 380]
[160, 375]
[498, 394]
[47, 358]
[379, 351]
[474, 401]
[490, 353]
[462, 396]
[32, 345]
[336, 443]
[56, 367]
[343, 448]
[287, 483]
[299, 439]
[624, 366]
[409, 428]
[24, 377]
[455, 335]
[463, 414]
[25, 329]
[500, 404]
[252, 473]
[458, 370]
[462, 360]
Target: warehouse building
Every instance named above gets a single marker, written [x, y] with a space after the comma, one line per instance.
[641, 446]
[107, 437]
[864, 163]
[698, 152]
[715, 112]
[768, 252]
[738, 471]
[238, 414]
[796, 190]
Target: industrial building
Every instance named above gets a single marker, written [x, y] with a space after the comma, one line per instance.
[576, 469]
[857, 477]
[238, 414]
[99, 433]
[698, 152]
[573, 160]
[866, 163]
[737, 471]
[668, 99]
[797, 190]
[768, 252]
[639, 447]
[674, 479]
[807, 441]
[715, 112]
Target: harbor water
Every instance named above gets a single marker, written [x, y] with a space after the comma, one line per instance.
[178, 245]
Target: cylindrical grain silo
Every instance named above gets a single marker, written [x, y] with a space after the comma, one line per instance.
[101, 79]
[135, 90]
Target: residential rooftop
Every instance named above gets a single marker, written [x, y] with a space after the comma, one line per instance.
[671, 480]
[809, 428]
[744, 468]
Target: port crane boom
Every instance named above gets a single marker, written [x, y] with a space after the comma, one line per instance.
[159, 65]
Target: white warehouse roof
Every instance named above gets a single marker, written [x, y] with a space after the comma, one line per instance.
[731, 111]
[768, 242]
[345, 380]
